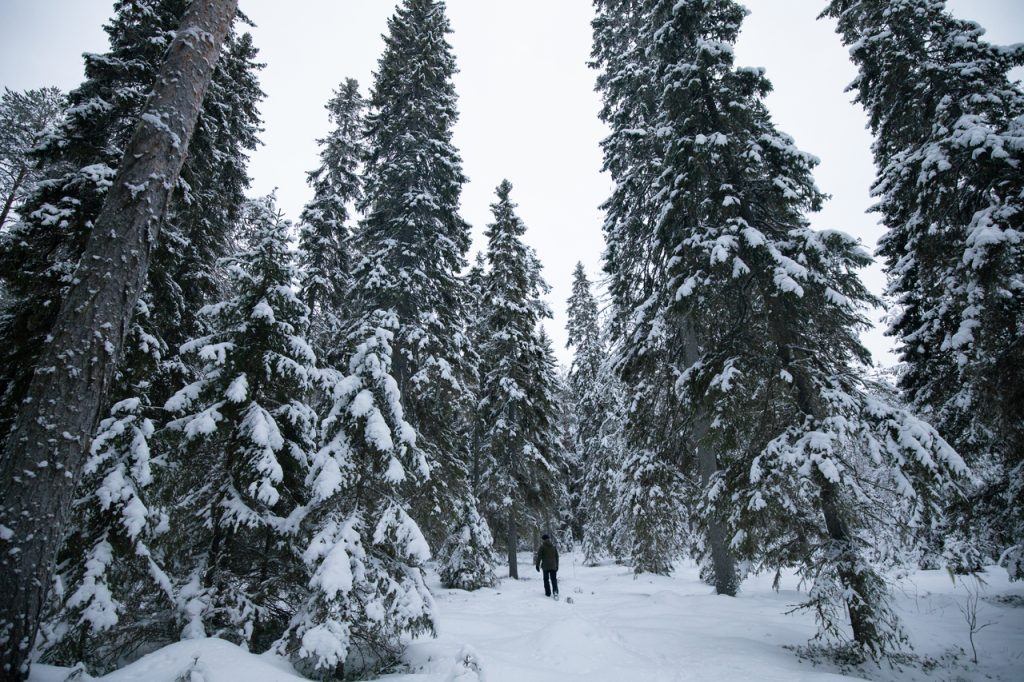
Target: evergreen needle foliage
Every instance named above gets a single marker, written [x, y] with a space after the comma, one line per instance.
[290, 432]
[948, 124]
[739, 344]
[413, 243]
[519, 443]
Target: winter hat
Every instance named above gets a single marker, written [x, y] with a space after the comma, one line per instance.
[544, 537]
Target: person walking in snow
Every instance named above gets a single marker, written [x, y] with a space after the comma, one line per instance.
[547, 559]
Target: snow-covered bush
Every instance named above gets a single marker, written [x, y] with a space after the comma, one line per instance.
[468, 667]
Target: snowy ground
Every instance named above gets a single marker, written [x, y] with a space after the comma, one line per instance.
[653, 629]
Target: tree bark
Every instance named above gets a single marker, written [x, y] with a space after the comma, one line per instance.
[859, 609]
[858, 606]
[47, 445]
[513, 542]
[722, 560]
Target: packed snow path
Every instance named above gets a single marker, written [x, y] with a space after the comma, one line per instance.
[619, 630]
[675, 629]
[650, 629]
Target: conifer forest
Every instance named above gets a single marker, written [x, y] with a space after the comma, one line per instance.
[237, 444]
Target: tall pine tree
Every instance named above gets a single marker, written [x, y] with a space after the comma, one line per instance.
[948, 122]
[81, 351]
[584, 328]
[324, 239]
[119, 509]
[549, 392]
[516, 384]
[745, 350]
[631, 150]
[584, 394]
[248, 436]
[608, 526]
[605, 499]
[633, 153]
[413, 245]
[39, 255]
[476, 333]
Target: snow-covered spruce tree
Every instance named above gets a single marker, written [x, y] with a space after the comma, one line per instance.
[84, 344]
[468, 554]
[598, 401]
[363, 551]
[118, 484]
[589, 354]
[601, 447]
[948, 124]
[648, 520]
[569, 467]
[248, 436]
[607, 532]
[748, 339]
[80, 156]
[584, 327]
[548, 391]
[24, 116]
[582, 308]
[633, 151]
[412, 245]
[515, 410]
[476, 280]
[324, 233]
[476, 334]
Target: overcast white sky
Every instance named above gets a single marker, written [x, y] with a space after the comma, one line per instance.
[528, 110]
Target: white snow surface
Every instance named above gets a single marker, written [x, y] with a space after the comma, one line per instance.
[650, 629]
[216, 660]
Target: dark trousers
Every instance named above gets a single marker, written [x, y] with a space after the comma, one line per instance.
[550, 582]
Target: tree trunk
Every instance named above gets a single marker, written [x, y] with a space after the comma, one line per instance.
[513, 543]
[859, 609]
[9, 201]
[844, 555]
[722, 560]
[47, 445]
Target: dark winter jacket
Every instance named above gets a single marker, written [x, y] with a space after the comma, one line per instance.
[547, 557]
